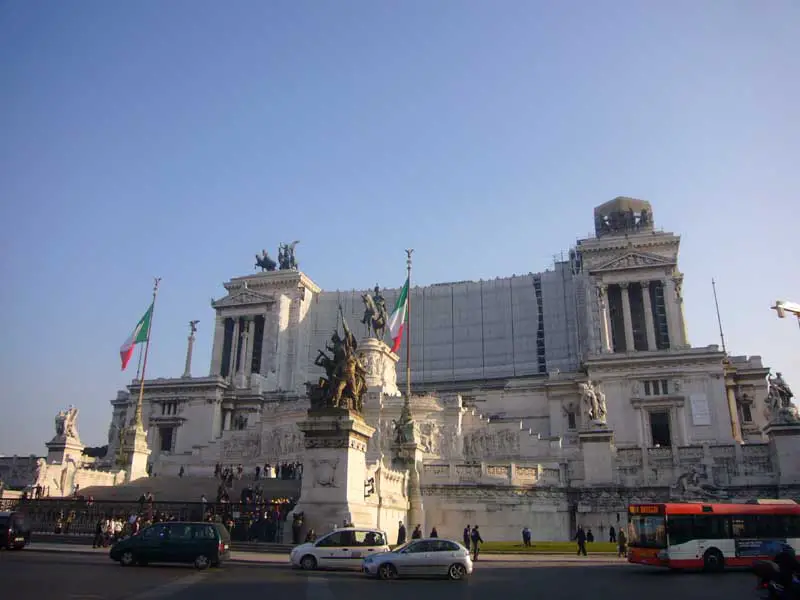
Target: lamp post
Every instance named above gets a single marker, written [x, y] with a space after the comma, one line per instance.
[782, 307]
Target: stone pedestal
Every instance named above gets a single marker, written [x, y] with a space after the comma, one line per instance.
[597, 445]
[334, 470]
[64, 449]
[784, 440]
[381, 365]
[135, 453]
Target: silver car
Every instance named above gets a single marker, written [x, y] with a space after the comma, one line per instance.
[421, 558]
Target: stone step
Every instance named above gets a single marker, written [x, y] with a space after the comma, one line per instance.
[190, 489]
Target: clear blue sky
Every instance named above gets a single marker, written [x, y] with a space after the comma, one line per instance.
[178, 138]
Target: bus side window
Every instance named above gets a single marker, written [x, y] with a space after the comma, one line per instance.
[792, 528]
[680, 529]
[711, 527]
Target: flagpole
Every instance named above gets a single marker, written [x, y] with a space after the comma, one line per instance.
[139, 367]
[409, 251]
[137, 418]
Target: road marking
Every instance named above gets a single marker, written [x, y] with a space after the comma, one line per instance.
[173, 587]
[317, 589]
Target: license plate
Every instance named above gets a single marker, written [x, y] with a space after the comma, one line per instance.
[19, 539]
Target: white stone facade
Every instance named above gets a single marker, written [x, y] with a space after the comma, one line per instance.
[496, 370]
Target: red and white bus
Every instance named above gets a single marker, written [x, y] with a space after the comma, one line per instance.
[710, 536]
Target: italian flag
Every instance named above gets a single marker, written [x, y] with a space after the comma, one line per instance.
[139, 335]
[398, 319]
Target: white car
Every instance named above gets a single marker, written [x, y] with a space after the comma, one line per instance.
[431, 557]
[341, 549]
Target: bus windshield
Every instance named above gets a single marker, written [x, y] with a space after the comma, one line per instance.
[647, 532]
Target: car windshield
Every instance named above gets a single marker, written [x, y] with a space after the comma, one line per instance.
[647, 532]
[402, 546]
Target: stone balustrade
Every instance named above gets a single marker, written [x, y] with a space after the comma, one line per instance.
[488, 473]
[722, 465]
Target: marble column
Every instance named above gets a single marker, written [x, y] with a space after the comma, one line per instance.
[673, 326]
[648, 317]
[605, 334]
[245, 347]
[226, 420]
[234, 348]
[733, 410]
[219, 342]
[626, 317]
[187, 370]
[678, 282]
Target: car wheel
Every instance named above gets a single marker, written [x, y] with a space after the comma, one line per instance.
[387, 571]
[457, 572]
[713, 561]
[127, 559]
[308, 563]
[202, 562]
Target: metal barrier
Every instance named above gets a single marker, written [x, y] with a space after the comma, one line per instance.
[263, 522]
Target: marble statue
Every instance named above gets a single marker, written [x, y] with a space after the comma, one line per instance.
[593, 403]
[695, 482]
[779, 400]
[286, 258]
[65, 423]
[265, 262]
[375, 316]
[193, 326]
[344, 384]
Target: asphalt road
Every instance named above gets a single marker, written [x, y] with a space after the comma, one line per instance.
[61, 576]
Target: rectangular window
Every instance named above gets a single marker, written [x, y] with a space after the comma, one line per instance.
[660, 429]
[165, 433]
[747, 413]
[664, 387]
[571, 420]
[647, 390]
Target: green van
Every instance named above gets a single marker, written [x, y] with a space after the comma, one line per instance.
[202, 544]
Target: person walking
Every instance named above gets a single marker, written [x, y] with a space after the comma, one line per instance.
[476, 539]
[467, 537]
[580, 537]
[401, 534]
[622, 543]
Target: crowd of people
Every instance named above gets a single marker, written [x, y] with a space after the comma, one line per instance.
[285, 471]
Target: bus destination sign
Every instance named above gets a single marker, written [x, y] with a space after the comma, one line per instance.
[645, 509]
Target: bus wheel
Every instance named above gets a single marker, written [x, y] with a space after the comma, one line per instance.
[713, 561]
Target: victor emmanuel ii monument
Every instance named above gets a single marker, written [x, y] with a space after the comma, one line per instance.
[539, 400]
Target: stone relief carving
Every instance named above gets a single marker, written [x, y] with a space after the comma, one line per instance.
[325, 472]
[485, 444]
[430, 437]
[241, 446]
[282, 442]
[695, 483]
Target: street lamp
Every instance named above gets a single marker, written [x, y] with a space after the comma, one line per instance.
[782, 307]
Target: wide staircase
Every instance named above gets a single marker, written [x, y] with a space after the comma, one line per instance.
[191, 489]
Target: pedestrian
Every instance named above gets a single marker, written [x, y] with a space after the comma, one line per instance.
[580, 537]
[622, 543]
[612, 535]
[401, 534]
[476, 539]
[589, 536]
[434, 533]
[526, 537]
[417, 533]
[466, 537]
